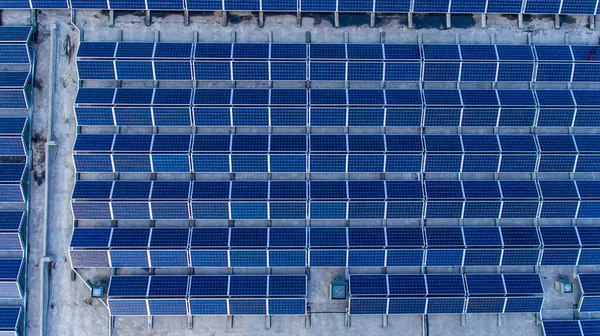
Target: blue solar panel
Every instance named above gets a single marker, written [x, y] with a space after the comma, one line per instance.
[208, 307]
[519, 189]
[443, 143]
[328, 258]
[445, 305]
[368, 306]
[558, 189]
[172, 50]
[523, 304]
[516, 98]
[485, 305]
[560, 257]
[590, 283]
[168, 307]
[407, 306]
[128, 286]
[287, 306]
[562, 328]
[442, 97]
[444, 258]
[160, 258]
[368, 285]
[443, 190]
[14, 54]
[168, 286]
[484, 284]
[15, 33]
[468, 6]
[127, 307]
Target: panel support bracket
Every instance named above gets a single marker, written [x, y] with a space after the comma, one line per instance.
[186, 18]
[111, 18]
[261, 19]
[336, 19]
[190, 322]
[224, 22]
[268, 322]
[592, 20]
[556, 21]
[520, 20]
[410, 20]
[463, 320]
[483, 20]
[148, 20]
[299, 19]
[373, 19]
[448, 20]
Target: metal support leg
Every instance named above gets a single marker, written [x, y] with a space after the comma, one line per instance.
[268, 322]
[230, 321]
[336, 17]
[557, 21]
[261, 19]
[299, 19]
[224, 19]
[500, 320]
[150, 322]
[384, 321]
[186, 18]
[483, 20]
[592, 22]
[520, 21]
[448, 20]
[372, 25]
[307, 321]
[190, 322]
[410, 20]
[111, 18]
[463, 320]
[148, 18]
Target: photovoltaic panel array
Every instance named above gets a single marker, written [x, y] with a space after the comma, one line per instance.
[586, 7]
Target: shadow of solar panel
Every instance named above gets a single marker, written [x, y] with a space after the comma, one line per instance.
[210, 259]
[368, 306]
[160, 258]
